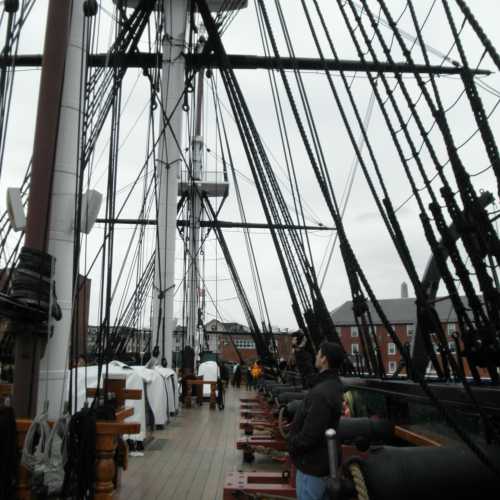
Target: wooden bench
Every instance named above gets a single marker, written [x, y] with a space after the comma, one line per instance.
[199, 397]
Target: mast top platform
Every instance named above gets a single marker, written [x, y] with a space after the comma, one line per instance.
[213, 5]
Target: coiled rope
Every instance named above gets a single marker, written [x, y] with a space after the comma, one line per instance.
[32, 454]
[359, 482]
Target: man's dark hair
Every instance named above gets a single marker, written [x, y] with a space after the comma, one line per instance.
[334, 353]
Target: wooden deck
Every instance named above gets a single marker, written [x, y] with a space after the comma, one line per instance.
[197, 449]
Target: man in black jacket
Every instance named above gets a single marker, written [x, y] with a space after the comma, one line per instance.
[320, 411]
[304, 359]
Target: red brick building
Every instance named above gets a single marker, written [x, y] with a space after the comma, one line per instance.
[402, 315]
[224, 344]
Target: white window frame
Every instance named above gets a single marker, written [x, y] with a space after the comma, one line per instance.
[354, 331]
[392, 366]
[451, 328]
[354, 350]
[391, 348]
[410, 330]
[244, 344]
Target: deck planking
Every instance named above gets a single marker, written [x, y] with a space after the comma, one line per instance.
[199, 450]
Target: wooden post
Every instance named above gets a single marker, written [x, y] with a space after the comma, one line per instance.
[23, 479]
[105, 466]
[213, 399]
[106, 442]
[199, 392]
[187, 396]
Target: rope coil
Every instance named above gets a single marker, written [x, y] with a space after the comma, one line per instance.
[32, 454]
[359, 481]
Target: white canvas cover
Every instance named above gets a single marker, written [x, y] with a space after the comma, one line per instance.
[171, 386]
[157, 395]
[209, 370]
[160, 383]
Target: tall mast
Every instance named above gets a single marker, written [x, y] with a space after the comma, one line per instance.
[61, 236]
[167, 168]
[195, 206]
[169, 165]
[51, 198]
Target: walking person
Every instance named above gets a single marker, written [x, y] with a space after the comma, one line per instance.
[237, 376]
[320, 411]
[248, 378]
[233, 378]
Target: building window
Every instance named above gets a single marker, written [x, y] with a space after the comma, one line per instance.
[244, 344]
[451, 328]
[354, 349]
[392, 366]
[410, 330]
[354, 331]
[391, 348]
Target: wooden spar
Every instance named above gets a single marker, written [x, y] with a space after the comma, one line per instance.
[28, 347]
[244, 61]
[218, 223]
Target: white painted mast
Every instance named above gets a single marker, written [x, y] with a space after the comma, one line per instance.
[194, 181]
[55, 363]
[167, 169]
[193, 296]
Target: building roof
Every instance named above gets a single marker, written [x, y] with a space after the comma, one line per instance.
[232, 327]
[399, 311]
[237, 328]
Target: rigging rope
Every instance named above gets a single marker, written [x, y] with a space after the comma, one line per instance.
[369, 341]
[271, 201]
[256, 277]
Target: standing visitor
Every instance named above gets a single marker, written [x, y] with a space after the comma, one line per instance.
[237, 376]
[320, 411]
[233, 378]
[256, 373]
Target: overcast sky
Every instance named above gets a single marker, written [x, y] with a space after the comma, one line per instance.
[362, 221]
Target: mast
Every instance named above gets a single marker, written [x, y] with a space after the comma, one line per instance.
[193, 338]
[167, 168]
[195, 207]
[52, 178]
[54, 364]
